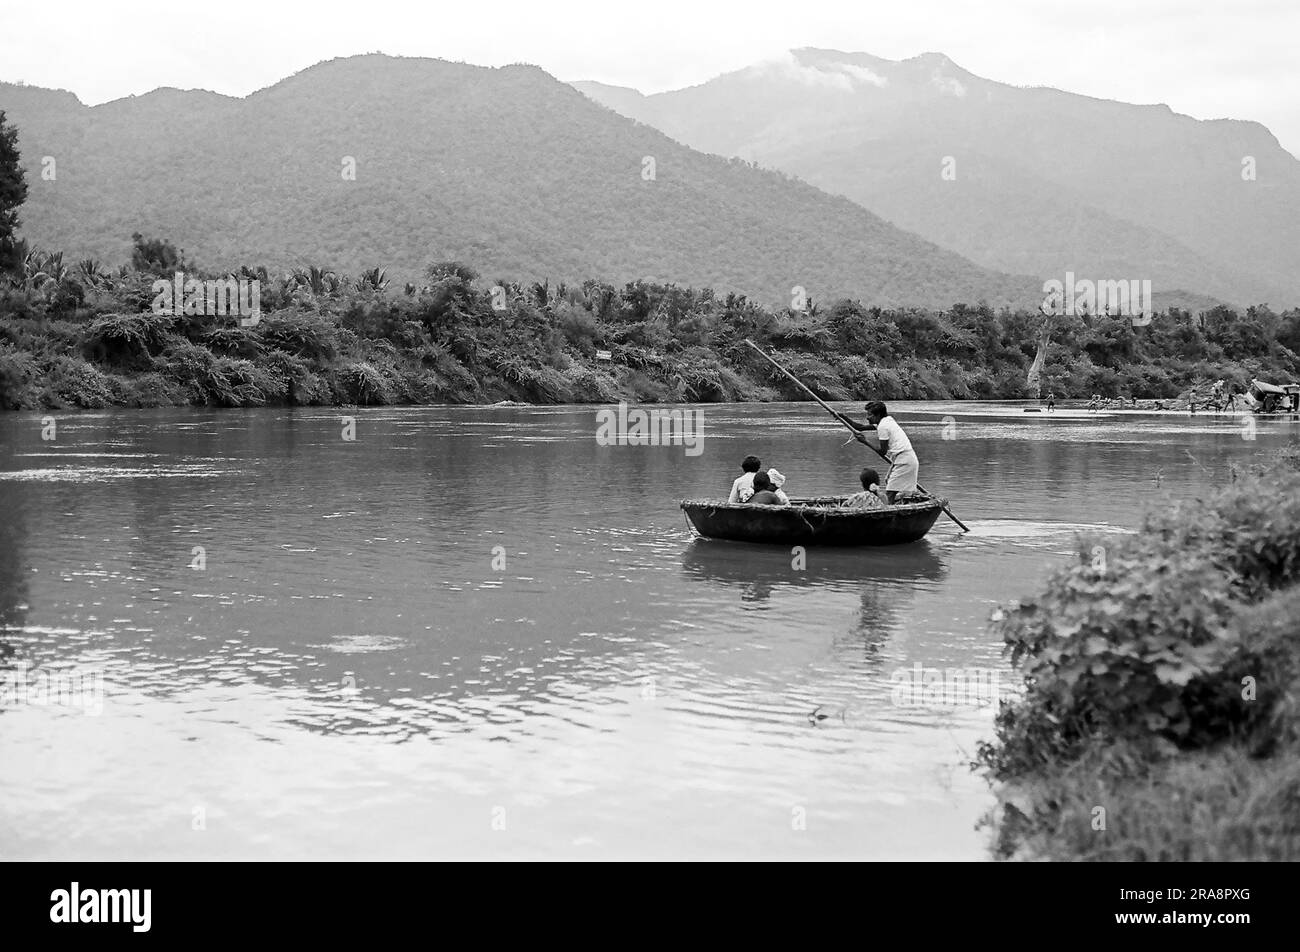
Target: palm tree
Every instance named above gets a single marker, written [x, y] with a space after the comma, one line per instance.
[376, 279]
[319, 282]
[55, 267]
[39, 269]
[541, 293]
[93, 277]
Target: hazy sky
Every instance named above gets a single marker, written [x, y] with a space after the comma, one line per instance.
[1236, 59]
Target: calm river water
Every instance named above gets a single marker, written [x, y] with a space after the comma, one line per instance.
[475, 632]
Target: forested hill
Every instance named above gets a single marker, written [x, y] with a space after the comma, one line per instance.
[507, 170]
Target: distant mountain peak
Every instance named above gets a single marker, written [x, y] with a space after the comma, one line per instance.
[934, 60]
[816, 71]
[855, 72]
[1034, 179]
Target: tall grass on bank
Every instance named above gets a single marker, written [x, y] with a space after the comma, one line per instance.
[1161, 714]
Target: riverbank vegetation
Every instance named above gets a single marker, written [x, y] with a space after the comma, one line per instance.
[1161, 713]
[77, 334]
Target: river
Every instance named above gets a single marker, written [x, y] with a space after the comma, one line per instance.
[475, 632]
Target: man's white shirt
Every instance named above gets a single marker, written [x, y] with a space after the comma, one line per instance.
[888, 429]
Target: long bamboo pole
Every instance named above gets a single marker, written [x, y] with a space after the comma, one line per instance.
[839, 416]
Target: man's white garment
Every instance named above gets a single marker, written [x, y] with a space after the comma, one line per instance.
[743, 484]
[904, 467]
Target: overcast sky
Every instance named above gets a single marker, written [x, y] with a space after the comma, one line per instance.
[1235, 59]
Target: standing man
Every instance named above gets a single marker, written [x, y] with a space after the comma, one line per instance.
[904, 467]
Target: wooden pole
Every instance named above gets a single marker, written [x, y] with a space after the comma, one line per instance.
[839, 416]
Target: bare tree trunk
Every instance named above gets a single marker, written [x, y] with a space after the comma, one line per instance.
[1033, 381]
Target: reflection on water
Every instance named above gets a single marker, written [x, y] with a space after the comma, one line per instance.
[472, 618]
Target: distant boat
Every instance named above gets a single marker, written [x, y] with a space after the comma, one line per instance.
[813, 521]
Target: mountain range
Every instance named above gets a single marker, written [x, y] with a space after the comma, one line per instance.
[1023, 180]
[506, 169]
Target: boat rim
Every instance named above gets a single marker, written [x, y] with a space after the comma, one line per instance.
[821, 505]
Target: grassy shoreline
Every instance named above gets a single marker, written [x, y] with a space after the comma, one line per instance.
[79, 336]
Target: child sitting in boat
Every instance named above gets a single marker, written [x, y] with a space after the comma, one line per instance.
[871, 497]
[763, 495]
[743, 487]
[778, 481]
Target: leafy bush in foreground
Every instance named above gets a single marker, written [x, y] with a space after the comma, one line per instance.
[1156, 665]
[1135, 640]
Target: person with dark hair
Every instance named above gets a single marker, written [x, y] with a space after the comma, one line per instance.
[744, 484]
[904, 467]
[778, 480]
[871, 497]
[763, 494]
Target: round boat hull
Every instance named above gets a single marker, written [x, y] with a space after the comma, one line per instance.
[812, 522]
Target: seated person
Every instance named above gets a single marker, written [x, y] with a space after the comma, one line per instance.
[763, 495]
[777, 482]
[871, 497]
[743, 487]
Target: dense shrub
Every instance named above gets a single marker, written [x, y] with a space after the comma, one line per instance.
[1177, 642]
[128, 340]
[363, 384]
[578, 326]
[72, 382]
[1134, 640]
[219, 381]
[18, 371]
[590, 386]
[449, 339]
[305, 335]
[146, 390]
[234, 341]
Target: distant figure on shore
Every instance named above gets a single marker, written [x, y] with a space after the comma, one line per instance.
[904, 467]
[1095, 402]
[743, 487]
[763, 495]
[1051, 401]
[1231, 402]
[871, 497]
[1216, 392]
[778, 481]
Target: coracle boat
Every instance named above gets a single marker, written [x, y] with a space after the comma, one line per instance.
[814, 521]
